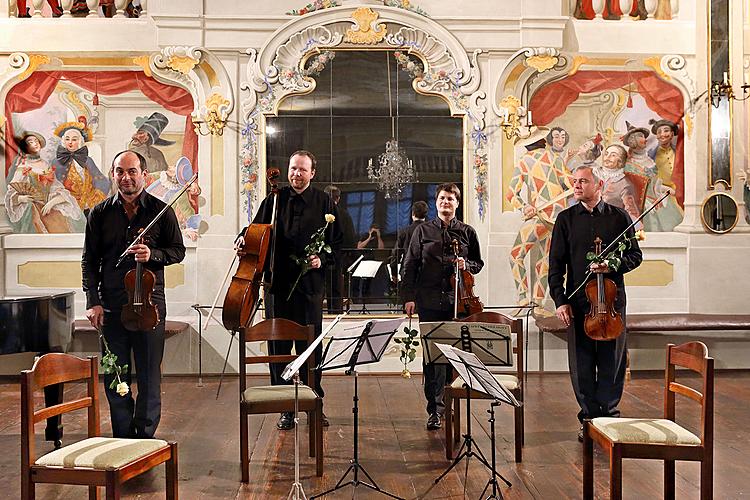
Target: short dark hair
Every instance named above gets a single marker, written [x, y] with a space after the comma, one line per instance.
[419, 209]
[303, 152]
[333, 191]
[548, 139]
[141, 159]
[449, 187]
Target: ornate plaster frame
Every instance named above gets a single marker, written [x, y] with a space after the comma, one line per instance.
[275, 72]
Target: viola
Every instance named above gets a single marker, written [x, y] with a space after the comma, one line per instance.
[462, 282]
[139, 314]
[242, 298]
[602, 322]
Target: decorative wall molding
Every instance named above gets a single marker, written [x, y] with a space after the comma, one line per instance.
[277, 71]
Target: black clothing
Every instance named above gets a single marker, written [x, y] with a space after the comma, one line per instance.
[335, 273]
[427, 268]
[298, 217]
[597, 368]
[347, 229]
[429, 262]
[402, 244]
[108, 233]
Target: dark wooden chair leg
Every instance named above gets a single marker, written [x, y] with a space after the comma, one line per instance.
[615, 473]
[456, 421]
[113, 486]
[588, 463]
[94, 493]
[172, 473]
[707, 479]
[27, 487]
[518, 423]
[312, 428]
[448, 422]
[669, 473]
[244, 448]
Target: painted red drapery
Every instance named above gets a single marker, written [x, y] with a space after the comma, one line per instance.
[662, 98]
[33, 92]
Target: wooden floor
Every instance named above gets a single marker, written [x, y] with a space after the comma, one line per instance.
[396, 449]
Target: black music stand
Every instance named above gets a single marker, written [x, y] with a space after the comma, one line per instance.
[477, 342]
[358, 345]
[478, 378]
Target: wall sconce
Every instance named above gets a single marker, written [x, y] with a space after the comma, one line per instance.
[511, 115]
[212, 125]
[723, 90]
[212, 116]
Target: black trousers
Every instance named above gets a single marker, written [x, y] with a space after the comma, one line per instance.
[139, 417]
[597, 370]
[435, 375]
[302, 309]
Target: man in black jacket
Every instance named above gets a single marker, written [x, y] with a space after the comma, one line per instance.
[418, 216]
[111, 226]
[301, 211]
[428, 266]
[597, 367]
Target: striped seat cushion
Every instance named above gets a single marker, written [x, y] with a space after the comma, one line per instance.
[510, 382]
[645, 431]
[271, 393]
[101, 453]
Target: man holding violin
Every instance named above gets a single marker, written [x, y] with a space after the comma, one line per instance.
[429, 264]
[111, 226]
[597, 367]
[301, 210]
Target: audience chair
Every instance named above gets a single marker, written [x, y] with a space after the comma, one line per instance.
[278, 398]
[513, 382]
[95, 461]
[659, 438]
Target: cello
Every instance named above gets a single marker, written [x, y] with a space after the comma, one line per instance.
[602, 322]
[242, 299]
[462, 282]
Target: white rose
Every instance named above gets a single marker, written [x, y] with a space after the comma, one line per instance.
[122, 388]
[330, 218]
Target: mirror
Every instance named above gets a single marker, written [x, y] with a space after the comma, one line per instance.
[720, 113]
[719, 213]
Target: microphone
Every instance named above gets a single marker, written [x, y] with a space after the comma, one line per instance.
[354, 266]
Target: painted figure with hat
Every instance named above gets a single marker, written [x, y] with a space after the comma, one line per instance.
[669, 214]
[75, 168]
[165, 185]
[538, 188]
[147, 136]
[586, 154]
[36, 201]
[621, 189]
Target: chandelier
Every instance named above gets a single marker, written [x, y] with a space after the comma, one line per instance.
[393, 169]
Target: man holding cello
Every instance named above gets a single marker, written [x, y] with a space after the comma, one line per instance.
[597, 367]
[111, 226]
[301, 210]
[429, 264]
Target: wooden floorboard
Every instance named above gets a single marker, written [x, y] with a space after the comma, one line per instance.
[395, 448]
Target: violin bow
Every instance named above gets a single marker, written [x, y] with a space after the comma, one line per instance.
[616, 240]
[124, 254]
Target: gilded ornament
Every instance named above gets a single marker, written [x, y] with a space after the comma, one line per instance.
[214, 121]
[578, 61]
[541, 62]
[655, 64]
[511, 103]
[366, 30]
[143, 62]
[35, 60]
[182, 64]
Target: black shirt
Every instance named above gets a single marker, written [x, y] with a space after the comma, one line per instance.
[573, 237]
[109, 232]
[430, 262]
[299, 216]
[402, 244]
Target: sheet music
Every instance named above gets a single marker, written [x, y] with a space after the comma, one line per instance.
[492, 342]
[367, 269]
[343, 342]
[476, 375]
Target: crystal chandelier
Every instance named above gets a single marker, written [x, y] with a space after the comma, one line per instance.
[393, 169]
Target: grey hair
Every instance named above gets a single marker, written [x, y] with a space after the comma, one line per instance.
[597, 179]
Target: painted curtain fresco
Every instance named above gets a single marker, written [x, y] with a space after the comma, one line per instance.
[59, 154]
[635, 117]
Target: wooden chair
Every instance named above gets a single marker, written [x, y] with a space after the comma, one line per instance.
[513, 382]
[278, 398]
[95, 461]
[656, 438]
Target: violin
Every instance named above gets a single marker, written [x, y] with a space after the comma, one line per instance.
[139, 314]
[462, 281]
[242, 298]
[602, 322]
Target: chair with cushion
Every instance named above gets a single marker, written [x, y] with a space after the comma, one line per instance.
[278, 398]
[511, 381]
[95, 461]
[659, 438]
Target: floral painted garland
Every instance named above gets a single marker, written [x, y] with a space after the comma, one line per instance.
[312, 7]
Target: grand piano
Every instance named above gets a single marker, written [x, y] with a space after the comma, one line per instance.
[40, 325]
